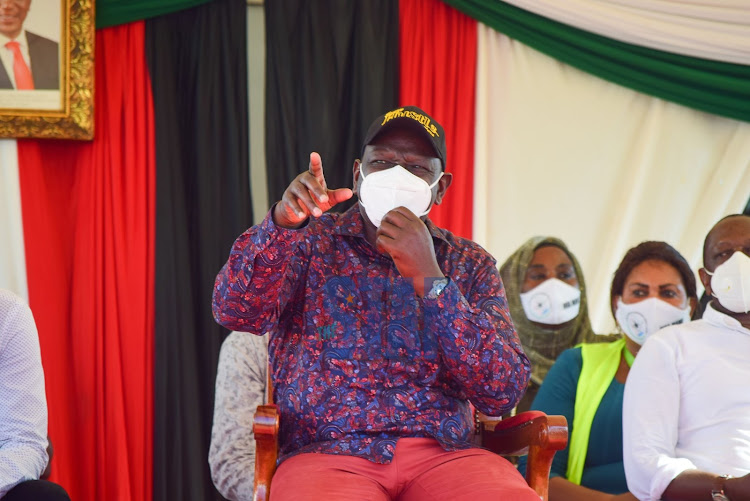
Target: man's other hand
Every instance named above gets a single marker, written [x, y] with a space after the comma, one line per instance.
[405, 237]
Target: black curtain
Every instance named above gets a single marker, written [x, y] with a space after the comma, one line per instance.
[197, 60]
[331, 68]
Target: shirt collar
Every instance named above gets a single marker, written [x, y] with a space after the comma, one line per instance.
[350, 223]
[21, 39]
[723, 320]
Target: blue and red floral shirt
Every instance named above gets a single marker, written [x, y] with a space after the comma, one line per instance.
[358, 359]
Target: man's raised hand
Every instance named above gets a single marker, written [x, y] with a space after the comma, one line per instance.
[308, 195]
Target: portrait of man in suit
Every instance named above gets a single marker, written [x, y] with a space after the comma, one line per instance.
[29, 61]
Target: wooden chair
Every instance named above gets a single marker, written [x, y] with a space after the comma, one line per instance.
[533, 433]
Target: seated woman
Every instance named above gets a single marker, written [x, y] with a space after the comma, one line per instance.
[547, 301]
[652, 288]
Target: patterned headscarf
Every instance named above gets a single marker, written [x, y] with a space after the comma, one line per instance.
[543, 345]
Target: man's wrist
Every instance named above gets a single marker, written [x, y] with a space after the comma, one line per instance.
[436, 286]
[279, 220]
[721, 488]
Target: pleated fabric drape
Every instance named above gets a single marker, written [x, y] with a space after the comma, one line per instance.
[88, 217]
[331, 68]
[198, 69]
[438, 62]
[717, 87]
[114, 12]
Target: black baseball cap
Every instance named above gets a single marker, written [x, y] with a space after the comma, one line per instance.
[414, 118]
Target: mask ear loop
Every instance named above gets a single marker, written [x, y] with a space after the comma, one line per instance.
[361, 173]
[437, 180]
[431, 186]
[618, 329]
[711, 274]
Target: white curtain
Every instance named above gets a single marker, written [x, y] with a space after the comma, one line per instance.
[562, 153]
[718, 30]
[12, 259]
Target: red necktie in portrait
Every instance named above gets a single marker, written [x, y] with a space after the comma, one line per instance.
[20, 70]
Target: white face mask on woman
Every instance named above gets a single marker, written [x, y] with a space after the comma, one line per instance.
[639, 320]
[552, 302]
[384, 190]
[730, 283]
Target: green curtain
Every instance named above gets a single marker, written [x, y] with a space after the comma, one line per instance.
[114, 12]
[712, 86]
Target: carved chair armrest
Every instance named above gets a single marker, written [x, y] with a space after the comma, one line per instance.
[533, 433]
[266, 431]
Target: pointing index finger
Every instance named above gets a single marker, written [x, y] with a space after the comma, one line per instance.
[316, 169]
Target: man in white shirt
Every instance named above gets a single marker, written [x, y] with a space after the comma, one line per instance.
[23, 407]
[686, 410]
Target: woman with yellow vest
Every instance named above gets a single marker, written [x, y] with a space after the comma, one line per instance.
[652, 288]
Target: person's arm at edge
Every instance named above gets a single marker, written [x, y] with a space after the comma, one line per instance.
[240, 388]
[23, 454]
[650, 422]
[694, 485]
[561, 489]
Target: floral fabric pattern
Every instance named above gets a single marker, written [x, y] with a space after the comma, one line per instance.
[358, 359]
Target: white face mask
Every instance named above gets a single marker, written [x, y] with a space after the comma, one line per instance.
[730, 283]
[639, 320]
[384, 190]
[552, 302]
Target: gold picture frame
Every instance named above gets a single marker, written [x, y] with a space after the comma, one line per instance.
[67, 112]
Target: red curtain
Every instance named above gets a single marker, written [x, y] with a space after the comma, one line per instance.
[438, 73]
[88, 211]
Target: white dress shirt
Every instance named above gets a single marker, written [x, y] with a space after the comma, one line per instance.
[687, 404]
[240, 389]
[6, 55]
[23, 405]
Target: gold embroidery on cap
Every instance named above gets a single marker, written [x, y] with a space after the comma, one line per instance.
[422, 119]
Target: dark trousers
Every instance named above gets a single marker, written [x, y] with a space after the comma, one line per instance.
[37, 490]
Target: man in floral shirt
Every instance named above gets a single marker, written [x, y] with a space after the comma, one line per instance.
[384, 328]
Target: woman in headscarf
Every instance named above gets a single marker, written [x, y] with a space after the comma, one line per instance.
[547, 300]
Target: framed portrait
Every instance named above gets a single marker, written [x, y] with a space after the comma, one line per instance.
[47, 68]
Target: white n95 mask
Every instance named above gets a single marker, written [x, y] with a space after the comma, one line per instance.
[639, 320]
[384, 190]
[552, 302]
[730, 283]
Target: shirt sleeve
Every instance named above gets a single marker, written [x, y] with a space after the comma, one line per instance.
[23, 405]
[240, 388]
[478, 343]
[256, 283]
[650, 421]
[557, 396]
